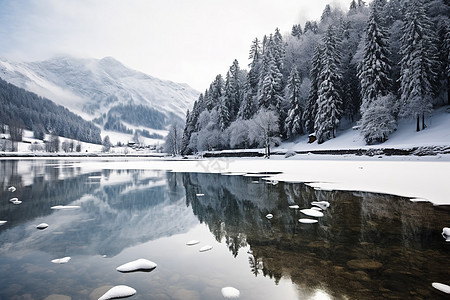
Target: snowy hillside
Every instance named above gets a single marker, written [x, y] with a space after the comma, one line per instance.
[92, 87]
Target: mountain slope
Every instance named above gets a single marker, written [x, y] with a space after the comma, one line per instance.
[92, 88]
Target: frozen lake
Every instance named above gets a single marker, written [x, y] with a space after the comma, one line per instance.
[366, 246]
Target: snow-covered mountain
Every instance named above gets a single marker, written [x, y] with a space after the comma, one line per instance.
[103, 90]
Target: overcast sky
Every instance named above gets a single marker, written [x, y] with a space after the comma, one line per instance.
[188, 41]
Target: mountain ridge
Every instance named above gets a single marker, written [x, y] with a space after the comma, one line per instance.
[92, 87]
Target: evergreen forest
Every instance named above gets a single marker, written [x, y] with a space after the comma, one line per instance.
[368, 67]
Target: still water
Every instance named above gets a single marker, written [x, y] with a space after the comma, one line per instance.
[367, 246]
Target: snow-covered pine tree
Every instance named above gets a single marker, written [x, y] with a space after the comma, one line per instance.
[417, 64]
[224, 113]
[294, 122]
[296, 31]
[233, 90]
[248, 106]
[329, 101]
[311, 104]
[374, 69]
[378, 118]
[270, 85]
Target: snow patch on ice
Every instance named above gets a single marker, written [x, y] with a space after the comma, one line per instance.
[65, 207]
[137, 265]
[307, 221]
[230, 292]
[312, 212]
[61, 260]
[118, 291]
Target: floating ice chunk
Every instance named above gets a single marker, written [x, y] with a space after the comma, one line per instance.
[205, 248]
[273, 182]
[12, 189]
[15, 201]
[2, 222]
[137, 265]
[192, 242]
[446, 234]
[230, 292]
[316, 208]
[294, 206]
[65, 207]
[42, 226]
[199, 195]
[118, 291]
[322, 204]
[307, 221]
[269, 216]
[61, 260]
[441, 287]
[312, 212]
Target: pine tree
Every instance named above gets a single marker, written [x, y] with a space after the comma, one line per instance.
[374, 69]
[293, 124]
[311, 105]
[417, 64]
[296, 31]
[329, 101]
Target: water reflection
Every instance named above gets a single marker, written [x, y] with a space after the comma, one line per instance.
[367, 246]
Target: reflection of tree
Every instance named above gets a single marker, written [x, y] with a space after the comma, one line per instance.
[357, 250]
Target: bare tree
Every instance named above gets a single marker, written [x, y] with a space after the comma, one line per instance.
[16, 132]
[174, 140]
[264, 130]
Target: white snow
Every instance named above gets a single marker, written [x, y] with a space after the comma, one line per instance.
[192, 242]
[307, 221]
[42, 226]
[15, 201]
[294, 206]
[441, 287]
[64, 207]
[321, 204]
[199, 195]
[446, 234]
[118, 291]
[3, 222]
[269, 216]
[230, 292]
[312, 212]
[205, 248]
[12, 189]
[61, 260]
[137, 265]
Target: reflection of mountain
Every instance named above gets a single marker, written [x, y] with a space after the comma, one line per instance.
[366, 246]
[118, 209]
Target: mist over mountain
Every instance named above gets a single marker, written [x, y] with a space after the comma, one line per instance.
[103, 90]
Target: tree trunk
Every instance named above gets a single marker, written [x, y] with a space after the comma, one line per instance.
[418, 123]
[423, 122]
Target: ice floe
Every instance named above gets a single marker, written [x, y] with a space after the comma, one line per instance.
[192, 242]
[441, 287]
[15, 201]
[230, 292]
[118, 291]
[446, 234]
[65, 207]
[2, 222]
[61, 260]
[42, 226]
[205, 248]
[312, 212]
[137, 265]
[322, 204]
[307, 221]
[12, 189]
[269, 216]
[316, 208]
[294, 206]
[199, 195]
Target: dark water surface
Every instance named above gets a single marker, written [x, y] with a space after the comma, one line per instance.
[367, 246]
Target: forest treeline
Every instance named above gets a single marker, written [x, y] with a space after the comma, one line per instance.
[20, 108]
[370, 65]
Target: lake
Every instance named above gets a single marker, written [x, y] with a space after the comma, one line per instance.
[366, 246]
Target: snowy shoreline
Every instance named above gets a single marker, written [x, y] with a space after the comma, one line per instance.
[414, 177]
